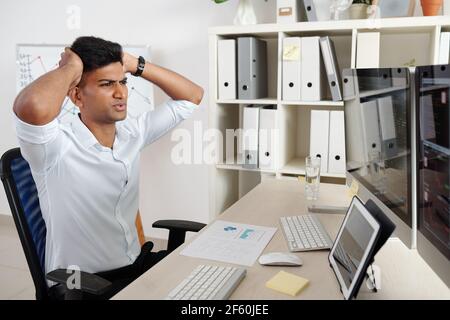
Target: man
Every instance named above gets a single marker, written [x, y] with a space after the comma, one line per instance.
[87, 173]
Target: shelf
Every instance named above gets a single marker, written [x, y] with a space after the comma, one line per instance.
[255, 101]
[297, 166]
[287, 103]
[403, 24]
[314, 103]
[239, 167]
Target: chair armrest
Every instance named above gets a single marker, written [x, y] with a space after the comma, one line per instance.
[177, 230]
[89, 282]
[179, 225]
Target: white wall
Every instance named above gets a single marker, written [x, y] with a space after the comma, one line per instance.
[178, 33]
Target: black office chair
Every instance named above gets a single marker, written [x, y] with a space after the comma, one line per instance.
[23, 200]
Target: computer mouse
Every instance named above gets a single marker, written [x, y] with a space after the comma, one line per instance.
[280, 259]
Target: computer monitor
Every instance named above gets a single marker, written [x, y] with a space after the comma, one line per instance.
[363, 232]
[433, 180]
[378, 111]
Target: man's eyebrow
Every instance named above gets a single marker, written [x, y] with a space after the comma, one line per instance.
[111, 80]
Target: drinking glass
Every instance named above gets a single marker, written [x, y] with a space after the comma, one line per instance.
[312, 177]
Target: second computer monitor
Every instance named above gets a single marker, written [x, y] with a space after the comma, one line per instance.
[433, 164]
[378, 108]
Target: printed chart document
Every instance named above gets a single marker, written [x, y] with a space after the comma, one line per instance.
[230, 242]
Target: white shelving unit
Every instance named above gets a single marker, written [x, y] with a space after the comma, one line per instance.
[403, 41]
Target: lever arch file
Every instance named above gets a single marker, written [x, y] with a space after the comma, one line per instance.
[368, 50]
[331, 67]
[310, 10]
[252, 68]
[336, 154]
[291, 69]
[250, 126]
[288, 11]
[319, 135]
[268, 138]
[311, 89]
[226, 59]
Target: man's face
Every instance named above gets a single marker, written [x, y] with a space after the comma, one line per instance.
[102, 94]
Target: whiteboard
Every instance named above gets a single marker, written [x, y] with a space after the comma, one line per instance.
[33, 60]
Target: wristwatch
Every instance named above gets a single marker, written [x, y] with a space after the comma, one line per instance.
[140, 67]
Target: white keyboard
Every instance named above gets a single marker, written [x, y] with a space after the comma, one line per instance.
[208, 283]
[305, 233]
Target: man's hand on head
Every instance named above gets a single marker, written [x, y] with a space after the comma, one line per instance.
[71, 60]
[130, 63]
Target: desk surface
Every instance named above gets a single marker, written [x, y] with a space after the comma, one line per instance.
[404, 274]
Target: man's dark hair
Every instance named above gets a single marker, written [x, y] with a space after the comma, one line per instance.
[96, 52]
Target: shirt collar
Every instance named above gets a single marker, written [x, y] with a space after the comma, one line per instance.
[87, 138]
[83, 134]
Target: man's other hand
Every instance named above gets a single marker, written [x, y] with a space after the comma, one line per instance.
[70, 59]
[130, 63]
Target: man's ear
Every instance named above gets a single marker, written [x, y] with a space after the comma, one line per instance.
[74, 95]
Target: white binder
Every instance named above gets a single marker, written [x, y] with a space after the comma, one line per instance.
[336, 154]
[331, 67]
[250, 126]
[252, 68]
[387, 126]
[288, 11]
[350, 84]
[291, 69]
[319, 134]
[371, 129]
[226, 61]
[310, 10]
[444, 48]
[268, 138]
[311, 69]
[368, 50]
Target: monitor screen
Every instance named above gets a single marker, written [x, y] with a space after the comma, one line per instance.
[378, 113]
[433, 153]
[352, 250]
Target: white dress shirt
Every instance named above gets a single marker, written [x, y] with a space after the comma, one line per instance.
[88, 193]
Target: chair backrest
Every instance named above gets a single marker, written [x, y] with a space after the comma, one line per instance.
[23, 200]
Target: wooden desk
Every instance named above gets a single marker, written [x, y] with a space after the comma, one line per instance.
[404, 274]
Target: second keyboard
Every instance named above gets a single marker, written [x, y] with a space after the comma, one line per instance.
[305, 233]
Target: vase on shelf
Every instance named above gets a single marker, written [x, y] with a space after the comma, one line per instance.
[431, 7]
[358, 11]
[338, 8]
[245, 13]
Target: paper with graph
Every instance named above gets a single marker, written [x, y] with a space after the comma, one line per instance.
[34, 60]
[230, 242]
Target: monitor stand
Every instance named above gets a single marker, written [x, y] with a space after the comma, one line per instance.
[373, 281]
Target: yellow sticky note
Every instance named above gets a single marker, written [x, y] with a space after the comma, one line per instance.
[354, 187]
[291, 52]
[287, 283]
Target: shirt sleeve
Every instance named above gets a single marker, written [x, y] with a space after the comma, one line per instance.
[154, 124]
[39, 145]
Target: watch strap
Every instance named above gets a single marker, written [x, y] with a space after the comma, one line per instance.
[140, 67]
